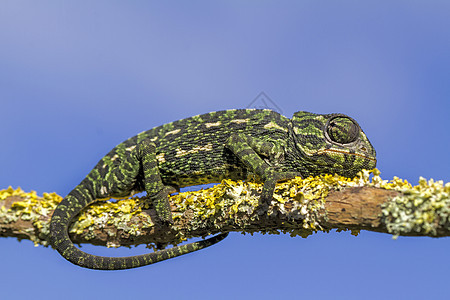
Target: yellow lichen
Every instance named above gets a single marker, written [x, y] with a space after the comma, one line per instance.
[419, 209]
[32, 208]
[297, 202]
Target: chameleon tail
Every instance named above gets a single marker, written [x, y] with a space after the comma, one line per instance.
[80, 198]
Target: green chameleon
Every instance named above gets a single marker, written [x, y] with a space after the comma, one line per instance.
[234, 144]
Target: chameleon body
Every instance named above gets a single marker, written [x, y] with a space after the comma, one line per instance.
[207, 148]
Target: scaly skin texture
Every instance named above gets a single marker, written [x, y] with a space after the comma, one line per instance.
[234, 144]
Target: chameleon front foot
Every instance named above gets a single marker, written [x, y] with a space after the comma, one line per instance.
[271, 181]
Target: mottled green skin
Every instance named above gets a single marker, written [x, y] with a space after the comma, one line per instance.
[234, 144]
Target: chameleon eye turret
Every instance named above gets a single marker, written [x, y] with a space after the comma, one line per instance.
[235, 144]
[342, 130]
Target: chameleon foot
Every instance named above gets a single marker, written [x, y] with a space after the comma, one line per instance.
[271, 181]
[161, 204]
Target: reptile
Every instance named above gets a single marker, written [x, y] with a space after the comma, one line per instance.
[234, 144]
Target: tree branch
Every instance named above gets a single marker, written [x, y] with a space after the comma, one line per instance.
[300, 207]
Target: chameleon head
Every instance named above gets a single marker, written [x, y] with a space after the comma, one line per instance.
[332, 143]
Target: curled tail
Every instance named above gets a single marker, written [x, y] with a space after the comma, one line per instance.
[81, 197]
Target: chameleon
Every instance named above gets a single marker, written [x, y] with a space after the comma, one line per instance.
[236, 144]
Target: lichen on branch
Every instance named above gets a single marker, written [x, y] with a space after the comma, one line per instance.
[299, 207]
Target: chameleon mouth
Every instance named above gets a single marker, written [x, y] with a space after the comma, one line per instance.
[371, 158]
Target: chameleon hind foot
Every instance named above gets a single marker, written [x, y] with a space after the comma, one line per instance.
[155, 188]
[161, 204]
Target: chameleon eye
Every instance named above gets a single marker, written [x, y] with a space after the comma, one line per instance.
[342, 130]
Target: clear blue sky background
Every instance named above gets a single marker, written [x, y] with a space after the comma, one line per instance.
[78, 77]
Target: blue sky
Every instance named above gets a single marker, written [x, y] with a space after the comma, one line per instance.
[77, 78]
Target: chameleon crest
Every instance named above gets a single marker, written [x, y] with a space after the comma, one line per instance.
[234, 144]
